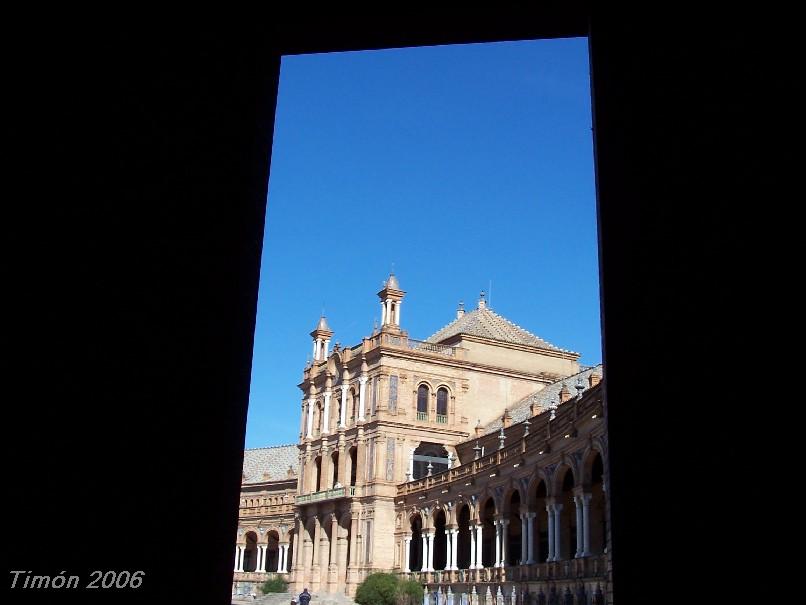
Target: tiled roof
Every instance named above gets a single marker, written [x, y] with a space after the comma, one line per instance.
[322, 325]
[486, 323]
[391, 283]
[273, 460]
[542, 399]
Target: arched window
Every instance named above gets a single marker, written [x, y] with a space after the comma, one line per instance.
[422, 402]
[442, 405]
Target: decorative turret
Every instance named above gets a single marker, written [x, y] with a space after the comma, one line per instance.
[391, 298]
[461, 310]
[482, 300]
[321, 340]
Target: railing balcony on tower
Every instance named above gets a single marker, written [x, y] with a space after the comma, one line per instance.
[421, 346]
[328, 494]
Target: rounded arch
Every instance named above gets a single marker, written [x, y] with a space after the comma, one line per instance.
[558, 478]
[588, 459]
[416, 524]
[424, 391]
[443, 399]
[250, 551]
[464, 516]
[488, 513]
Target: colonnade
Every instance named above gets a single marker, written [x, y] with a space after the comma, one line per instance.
[500, 523]
[282, 558]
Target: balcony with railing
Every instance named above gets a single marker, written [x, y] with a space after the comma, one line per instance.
[420, 346]
[422, 416]
[328, 494]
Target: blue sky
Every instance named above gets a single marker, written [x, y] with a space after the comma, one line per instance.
[456, 164]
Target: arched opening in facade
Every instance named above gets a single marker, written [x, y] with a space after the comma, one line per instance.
[463, 541]
[432, 453]
[353, 459]
[327, 534]
[597, 514]
[568, 518]
[334, 461]
[442, 405]
[250, 553]
[422, 402]
[440, 540]
[310, 547]
[317, 417]
[541, 527]
[318, 470]
[514, 530]
[272, 551]
[488, 533]
[343, 546]
[416, 544]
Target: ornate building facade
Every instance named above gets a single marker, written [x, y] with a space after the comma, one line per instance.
[473, 461]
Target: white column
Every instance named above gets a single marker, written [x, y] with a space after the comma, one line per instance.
[524, 538]
[237, 558]
[550, 516]
[326, 414]
[472, 547]
[383, 312]
[455, 549]
[580, 526]
[241, 558]
[397, 313]
[431, 551]
[407, 555]
[530, 553]
[311, 403]
[586, 523]
[315, 346]
[362, 390]
[479, 558]
[327, 348]
[424, 565]
[448, 546]
[497, 523]
[260, 558]
[411, 464]
[343, 415]
[388, 311]
[557, 531]
[285, 557]
[504, 541]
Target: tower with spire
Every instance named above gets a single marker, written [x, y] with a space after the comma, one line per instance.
[321, 340]
[391, 298]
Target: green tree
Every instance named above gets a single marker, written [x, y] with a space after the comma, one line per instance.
[275, 584]
[386, 589]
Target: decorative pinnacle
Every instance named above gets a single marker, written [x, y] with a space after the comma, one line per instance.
[477, 450]
[526, 425]
[501, 438]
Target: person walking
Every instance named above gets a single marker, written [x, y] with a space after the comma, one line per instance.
[304, 597]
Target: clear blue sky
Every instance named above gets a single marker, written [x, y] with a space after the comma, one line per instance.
[460, 165]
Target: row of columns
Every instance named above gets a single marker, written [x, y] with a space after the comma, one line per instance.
[554, 510]
[387, 315]
[311, 403]
[282, 559]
